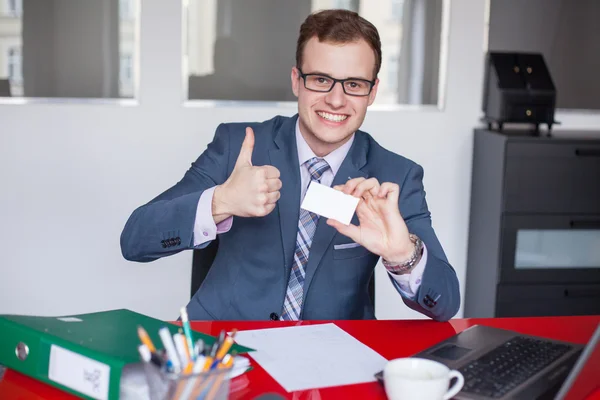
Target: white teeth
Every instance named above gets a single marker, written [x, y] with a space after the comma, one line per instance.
[332, 117]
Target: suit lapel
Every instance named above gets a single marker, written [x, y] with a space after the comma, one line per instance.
[285, 158]
[350, 168]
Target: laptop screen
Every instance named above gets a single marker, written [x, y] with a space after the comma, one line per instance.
[584, 379]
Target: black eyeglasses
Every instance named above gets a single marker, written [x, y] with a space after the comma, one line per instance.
[324, 83]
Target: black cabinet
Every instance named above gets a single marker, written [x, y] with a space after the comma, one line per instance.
[534, 230]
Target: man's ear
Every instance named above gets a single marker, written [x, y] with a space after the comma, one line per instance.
[295, 76]
[373, 93]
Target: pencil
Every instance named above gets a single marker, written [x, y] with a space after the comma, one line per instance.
[227, 343]
[145, 339]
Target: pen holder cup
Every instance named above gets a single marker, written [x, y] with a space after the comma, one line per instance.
[211, 385]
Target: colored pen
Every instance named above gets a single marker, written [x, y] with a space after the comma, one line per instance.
[144, 353]
[226, 345]
[145, 339]
[147, 356]
[188, 332]
[214, 348]
[221, 337]
[208, 362]
[210, 358]
[199, 348]
[222, 351]
[199, 364]
[181, 348]
[169, 346]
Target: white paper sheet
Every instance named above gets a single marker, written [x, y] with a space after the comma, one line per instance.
[329, 203]
[312, 356]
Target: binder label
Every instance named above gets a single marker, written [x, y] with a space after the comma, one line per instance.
[78, 372]
[69, 319]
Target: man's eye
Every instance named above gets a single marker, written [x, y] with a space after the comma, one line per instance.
[356, 85]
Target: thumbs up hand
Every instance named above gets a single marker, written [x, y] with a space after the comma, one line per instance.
[250, 191]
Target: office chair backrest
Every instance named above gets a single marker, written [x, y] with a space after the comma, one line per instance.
[5, 88]
[201, 263]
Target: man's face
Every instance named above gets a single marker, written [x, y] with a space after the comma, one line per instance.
[327, 120]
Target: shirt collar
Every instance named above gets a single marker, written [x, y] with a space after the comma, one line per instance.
[334, 159]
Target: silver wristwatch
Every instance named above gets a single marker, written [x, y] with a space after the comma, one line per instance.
[407, 265]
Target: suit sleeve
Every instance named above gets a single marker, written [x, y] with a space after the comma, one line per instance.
[438, 297]
[165, 225]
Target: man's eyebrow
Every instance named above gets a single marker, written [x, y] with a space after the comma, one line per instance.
[326, 74]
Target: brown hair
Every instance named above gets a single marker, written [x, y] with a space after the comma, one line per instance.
[338, 26]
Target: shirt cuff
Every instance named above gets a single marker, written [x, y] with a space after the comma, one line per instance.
[205, 228]
[409, 284]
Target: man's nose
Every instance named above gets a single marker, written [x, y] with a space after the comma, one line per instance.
[336, 97]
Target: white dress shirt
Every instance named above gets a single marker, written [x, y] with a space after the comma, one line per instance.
[205, 228]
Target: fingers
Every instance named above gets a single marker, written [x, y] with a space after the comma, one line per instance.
[273, 185]
[389, 190]
[351, 231]
[245, 156]
[359, 187]
[366, 188]
[349, 187]
[265, 203]
[272, 197]
[270, 172]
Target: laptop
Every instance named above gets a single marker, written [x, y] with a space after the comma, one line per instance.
[502, 364]
[584, 379]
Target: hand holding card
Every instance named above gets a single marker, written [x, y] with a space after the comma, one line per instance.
[381, 228]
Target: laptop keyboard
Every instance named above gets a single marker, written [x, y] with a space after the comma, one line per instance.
[498, 372]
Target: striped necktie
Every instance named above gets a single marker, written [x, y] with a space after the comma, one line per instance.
[307, 225]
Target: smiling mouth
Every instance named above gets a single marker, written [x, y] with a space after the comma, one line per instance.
[332, 117]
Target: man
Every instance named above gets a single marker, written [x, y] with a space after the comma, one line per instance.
[276, 261]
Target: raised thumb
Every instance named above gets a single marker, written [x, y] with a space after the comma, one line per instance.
[245, 157]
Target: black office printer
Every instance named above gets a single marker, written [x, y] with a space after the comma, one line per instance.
[518, 89]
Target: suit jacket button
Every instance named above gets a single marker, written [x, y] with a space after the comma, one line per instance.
[274, 316]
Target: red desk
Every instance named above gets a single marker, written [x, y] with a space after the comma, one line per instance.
[407, 338]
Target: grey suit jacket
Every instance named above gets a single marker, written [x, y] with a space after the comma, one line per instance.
[249, 276]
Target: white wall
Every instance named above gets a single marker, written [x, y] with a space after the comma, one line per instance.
[71, 174]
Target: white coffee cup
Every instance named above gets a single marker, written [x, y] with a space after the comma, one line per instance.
[419, 378]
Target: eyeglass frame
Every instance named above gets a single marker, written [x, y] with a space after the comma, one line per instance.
[341, 81]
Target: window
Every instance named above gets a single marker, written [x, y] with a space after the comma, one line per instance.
[14, 60]
[74, 54]
[241, 50]
[392, 75]
[126, 75]
[15, 8]
[346, 4]
[397, 9]
[126, 10]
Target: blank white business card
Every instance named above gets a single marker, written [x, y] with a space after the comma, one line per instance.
[330, 203]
